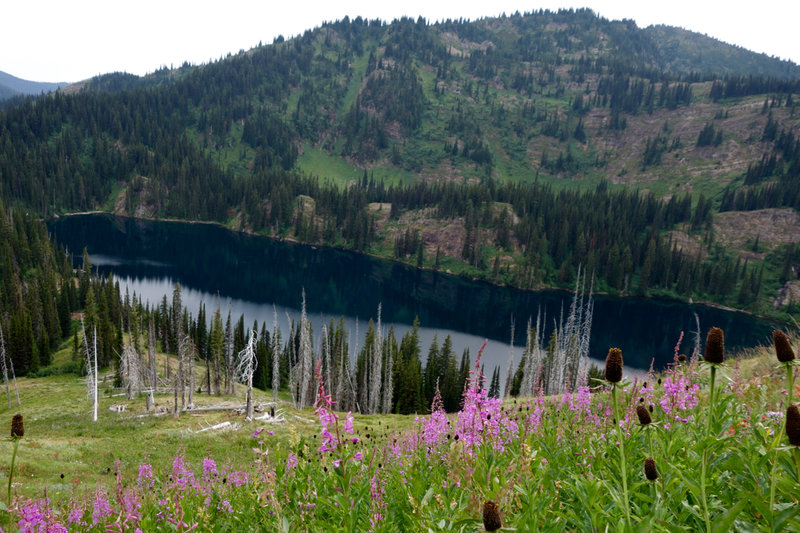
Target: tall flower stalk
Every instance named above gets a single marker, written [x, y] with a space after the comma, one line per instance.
[333, 440]
[613, 376]
[785, 356]
[17, 432]
[714, 356]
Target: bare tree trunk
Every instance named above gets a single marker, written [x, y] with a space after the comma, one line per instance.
[510, 373]
[191, 356]
[339, 393]
[5, 369]
[276, 376]
[292, 365]
[306, 357]
[388, 383]
[350, 376]
[180, 378]
[129, 371]
[175, 410]
[151, 353]
[96, 376]
[246, 363]
[375, 364]
[326, 357]
[14, 377]
[91, 369]
[8, 364]
[208, 376]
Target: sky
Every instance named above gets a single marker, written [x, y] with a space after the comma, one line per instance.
[55, 40]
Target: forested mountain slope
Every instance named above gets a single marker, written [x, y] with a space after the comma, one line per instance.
[502, 148]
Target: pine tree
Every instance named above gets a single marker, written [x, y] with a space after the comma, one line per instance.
[410, 397]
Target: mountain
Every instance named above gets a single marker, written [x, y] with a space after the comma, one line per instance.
[13, 86]
[686, 51]
[510, 148]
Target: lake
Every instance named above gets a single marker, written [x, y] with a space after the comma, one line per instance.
[255, 275]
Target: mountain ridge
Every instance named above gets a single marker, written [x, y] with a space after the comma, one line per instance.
[11, 85]
[436, 144]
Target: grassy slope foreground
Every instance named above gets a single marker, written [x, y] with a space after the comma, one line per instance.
[548, 464]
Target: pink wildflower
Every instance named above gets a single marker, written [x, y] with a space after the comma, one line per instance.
[102, 509]
[291, 462]
[209, 469]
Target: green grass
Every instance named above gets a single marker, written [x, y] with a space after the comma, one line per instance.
[319, 163]
[66, 454]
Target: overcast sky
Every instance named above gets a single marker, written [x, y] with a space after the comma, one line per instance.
[49, 40]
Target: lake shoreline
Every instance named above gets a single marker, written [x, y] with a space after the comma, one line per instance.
[543, 288]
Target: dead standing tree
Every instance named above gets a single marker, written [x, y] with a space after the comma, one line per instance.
[7, 365]
[306, 358]
[91, 368]
[188, 355]
[276, 376]
[375, 364]
[246, 363]
[130, 371]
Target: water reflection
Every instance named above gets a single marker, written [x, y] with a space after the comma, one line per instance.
[251, 274]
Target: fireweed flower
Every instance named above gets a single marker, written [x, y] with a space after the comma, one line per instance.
[481, 417]
[101, 508]
[76, 517]
[36, 516]
[209, 469]
[225, 506]
[378, 504]
[680, 396]
[237, 478]
[435, 427]
[534, 420]
[328, 419]
[145, 479]
[182, 478]
[291, 462]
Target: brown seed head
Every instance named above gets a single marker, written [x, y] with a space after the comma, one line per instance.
[644, 415]
[650, 470]
[491, 516]
[793, 425]
[715, 346]
[614, 365]
[17, 426]
[783, 350]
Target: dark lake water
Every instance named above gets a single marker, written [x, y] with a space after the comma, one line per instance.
[254, 275]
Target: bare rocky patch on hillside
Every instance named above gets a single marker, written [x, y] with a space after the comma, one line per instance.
[770, 226]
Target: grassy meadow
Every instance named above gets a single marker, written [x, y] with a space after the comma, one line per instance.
[668, 452]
